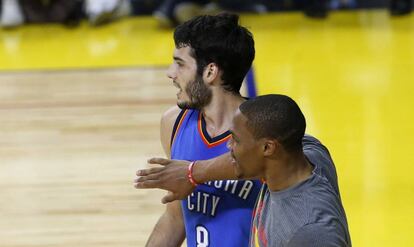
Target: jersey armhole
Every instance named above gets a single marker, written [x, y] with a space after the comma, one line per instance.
[177, 124]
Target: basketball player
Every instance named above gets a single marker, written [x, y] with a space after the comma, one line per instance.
[211, 58]
[299, 204]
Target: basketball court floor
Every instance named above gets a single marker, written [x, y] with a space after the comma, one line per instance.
[80, 111]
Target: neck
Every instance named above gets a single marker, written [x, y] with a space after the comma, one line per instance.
[287, 170]
[219, 113]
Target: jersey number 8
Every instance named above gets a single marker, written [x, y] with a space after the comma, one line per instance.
[202, 236]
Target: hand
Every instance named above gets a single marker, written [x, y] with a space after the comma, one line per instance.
[171, 176]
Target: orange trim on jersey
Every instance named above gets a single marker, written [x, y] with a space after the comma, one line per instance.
[258, 233]
[256, 237]
[205, 140]
[179, 125]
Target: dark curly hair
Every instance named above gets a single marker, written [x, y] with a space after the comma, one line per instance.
[221, 40]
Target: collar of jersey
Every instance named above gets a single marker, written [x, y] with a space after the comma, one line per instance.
[211, 141]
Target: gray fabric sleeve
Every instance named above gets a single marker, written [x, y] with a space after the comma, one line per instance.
[317, 235]
[316, 152]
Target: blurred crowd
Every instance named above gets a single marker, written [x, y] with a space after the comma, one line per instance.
[168, 12]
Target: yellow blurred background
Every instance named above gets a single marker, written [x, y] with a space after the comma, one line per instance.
[352, 74]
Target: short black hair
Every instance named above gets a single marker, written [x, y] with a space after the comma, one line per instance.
[221, 40]
[275, 116]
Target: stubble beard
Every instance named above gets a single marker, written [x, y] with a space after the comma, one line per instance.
[200, 95]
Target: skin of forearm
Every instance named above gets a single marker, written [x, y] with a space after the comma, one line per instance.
[219, 168]
[159, 238]
[167, 233]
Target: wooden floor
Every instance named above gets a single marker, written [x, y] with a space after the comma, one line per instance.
[70, 142]
[72, 137]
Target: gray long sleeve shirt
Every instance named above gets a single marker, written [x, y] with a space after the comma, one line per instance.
[309, 214]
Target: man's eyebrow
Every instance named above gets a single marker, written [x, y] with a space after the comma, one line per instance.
[178, 59]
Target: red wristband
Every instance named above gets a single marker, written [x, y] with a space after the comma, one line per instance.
[190, 174]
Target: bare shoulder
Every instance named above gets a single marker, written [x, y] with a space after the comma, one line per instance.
[169, 117]
[167, 125]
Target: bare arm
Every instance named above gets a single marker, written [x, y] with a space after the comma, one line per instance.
[218, 168]
[169, 230]
[172, 175]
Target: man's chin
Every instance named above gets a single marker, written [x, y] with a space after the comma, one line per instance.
[185, 105]
[238, 172]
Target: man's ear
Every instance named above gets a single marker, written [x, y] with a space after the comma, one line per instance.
[211, 73]
[270, 147]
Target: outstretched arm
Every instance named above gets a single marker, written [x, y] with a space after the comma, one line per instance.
[173, 175]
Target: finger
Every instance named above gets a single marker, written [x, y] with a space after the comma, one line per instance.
[159, 161]
[146, 172]
[150, 184]
[155, 176]
[170, 197]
